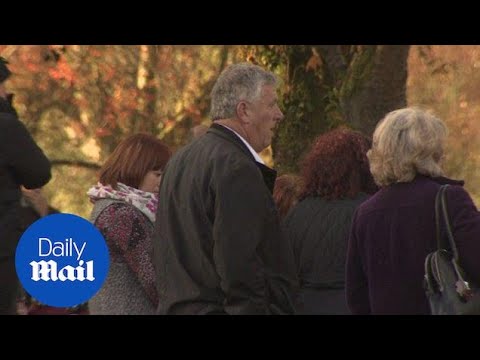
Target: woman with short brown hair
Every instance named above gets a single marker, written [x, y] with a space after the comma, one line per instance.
[126, 199]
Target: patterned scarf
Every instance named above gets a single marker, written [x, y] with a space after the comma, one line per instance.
[144, 201]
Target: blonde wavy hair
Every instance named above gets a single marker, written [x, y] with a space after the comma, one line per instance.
[407, 142]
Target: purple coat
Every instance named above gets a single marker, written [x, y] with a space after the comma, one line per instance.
[390, 237]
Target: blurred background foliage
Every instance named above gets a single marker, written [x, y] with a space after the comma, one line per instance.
[80, 101]
[446, 79]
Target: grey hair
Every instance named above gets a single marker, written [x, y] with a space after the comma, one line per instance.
[243, 81]
[407, 142]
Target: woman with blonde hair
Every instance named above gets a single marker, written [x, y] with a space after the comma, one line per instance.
[126, 199]
[394, 230]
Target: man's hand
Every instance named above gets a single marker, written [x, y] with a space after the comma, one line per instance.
[36, 199]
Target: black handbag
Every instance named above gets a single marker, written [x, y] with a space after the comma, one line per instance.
[447, 291]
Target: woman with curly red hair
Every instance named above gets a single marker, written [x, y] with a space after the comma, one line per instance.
[337, 180]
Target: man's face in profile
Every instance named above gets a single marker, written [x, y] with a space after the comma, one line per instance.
[265, 117]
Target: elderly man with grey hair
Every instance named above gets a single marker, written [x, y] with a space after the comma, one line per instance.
[218, 245]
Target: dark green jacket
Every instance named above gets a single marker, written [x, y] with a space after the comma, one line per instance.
[318, 230]
[218, 246]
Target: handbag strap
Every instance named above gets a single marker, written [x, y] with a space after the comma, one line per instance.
[461, 286]
[441, 205]
[437, 218]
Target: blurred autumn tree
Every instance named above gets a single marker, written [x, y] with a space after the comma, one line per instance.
[80, 101]
[446, 79]
[331, 85]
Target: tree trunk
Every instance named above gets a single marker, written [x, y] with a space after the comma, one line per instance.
[304, 108]
[145, 119]
[384, 90]
[332, 85]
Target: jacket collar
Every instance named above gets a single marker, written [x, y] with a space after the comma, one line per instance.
[230, 136]
[269, 175]
[442, 180]
[6, 107]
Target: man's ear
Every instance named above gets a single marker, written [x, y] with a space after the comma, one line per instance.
[243, 112]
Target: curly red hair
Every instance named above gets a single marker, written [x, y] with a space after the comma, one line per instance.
[337, 166]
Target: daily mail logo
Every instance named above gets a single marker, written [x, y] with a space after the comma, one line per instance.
[62, 260]
[49, 270]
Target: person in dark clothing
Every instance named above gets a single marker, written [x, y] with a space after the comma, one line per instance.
[336, 180]
[218, 245]
[34, 206]
[22, 162]
[394, 230]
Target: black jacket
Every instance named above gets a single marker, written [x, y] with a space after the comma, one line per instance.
[22, 162]
[218, 246]
[318, 230]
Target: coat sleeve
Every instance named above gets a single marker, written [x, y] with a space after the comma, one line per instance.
[241, 213]
[127, 237]
[29, 165]
[465, 221]
[356, 284]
